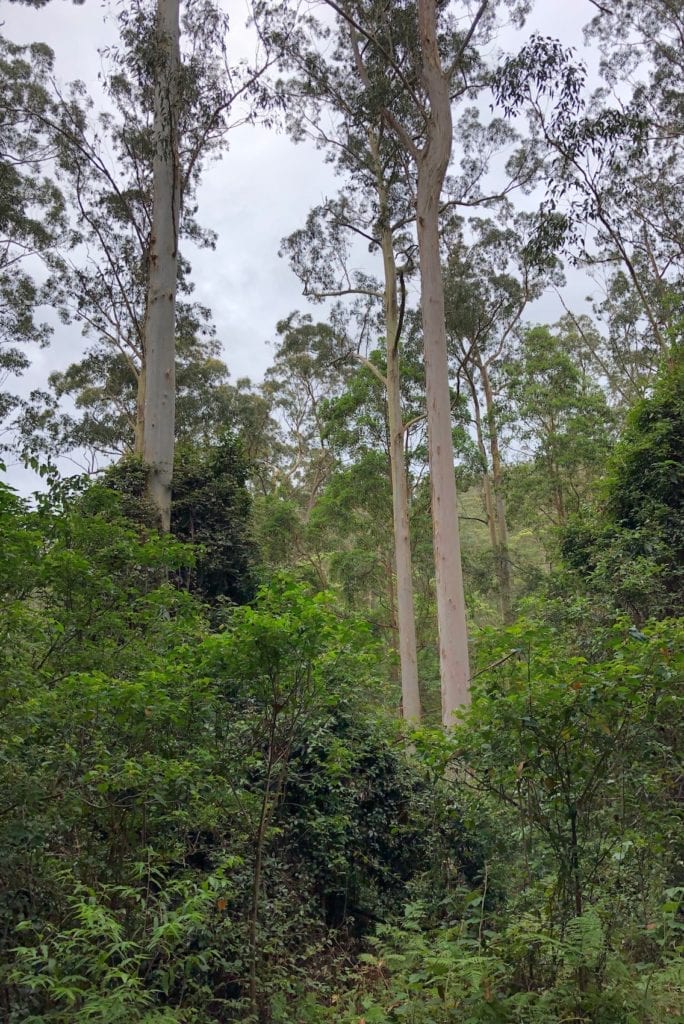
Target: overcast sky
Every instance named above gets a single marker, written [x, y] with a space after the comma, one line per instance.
[260, 191]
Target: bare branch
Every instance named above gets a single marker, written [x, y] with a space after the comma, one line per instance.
[337, 293]
[468, 39]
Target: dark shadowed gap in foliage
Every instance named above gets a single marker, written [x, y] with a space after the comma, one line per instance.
[211, 510]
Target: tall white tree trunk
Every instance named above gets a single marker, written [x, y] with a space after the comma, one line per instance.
[406, 618]
[140, 410]
[160, 318]
[408, 659]
[432, 166]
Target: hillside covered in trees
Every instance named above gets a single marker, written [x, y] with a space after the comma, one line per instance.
[351, 694]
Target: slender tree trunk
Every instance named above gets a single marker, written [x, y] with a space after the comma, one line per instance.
[554, 474]
[160, 319]
[140, 411]
[392, 623]
[410, 693]
[406, 619]
[432, 166]
[501, 552]
[490, 512]
[487, 491]
[559, 498]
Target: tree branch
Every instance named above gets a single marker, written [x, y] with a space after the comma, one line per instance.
[468, 38]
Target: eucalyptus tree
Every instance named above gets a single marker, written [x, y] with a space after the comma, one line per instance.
[303, 375]
[615, 157]
[159, 326]
[372, 208]
[444, 66]
[359, 429]
[565, 427]
[431, 157]
[329, 515]
[32, 215]
[107, 164]
[490, 281]
[410, 64]
[321, 255]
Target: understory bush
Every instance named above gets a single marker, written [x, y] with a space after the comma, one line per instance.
[203, 824]
[569, 773]
[196, 825]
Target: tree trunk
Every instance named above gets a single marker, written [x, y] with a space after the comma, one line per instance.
[406, 619]
[501, 552]
[554, 474]
[408, 657]
[392, 624]
[140, 411]
[487, 490]
[432, 165]
[159, 327]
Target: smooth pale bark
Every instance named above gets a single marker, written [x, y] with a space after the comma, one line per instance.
[487, 492]
[392, 623]
[433, 161]
[160, 317]
[140, 411]
[406, 620]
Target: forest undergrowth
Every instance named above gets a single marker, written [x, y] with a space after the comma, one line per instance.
[211, 813]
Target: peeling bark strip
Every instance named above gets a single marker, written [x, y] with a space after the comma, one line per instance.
[160, 317]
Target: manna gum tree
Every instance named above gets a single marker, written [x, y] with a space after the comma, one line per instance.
[160, 316]
[406, 620]
[413, 64]
[432, 161]
[431, 157]
[370, 157]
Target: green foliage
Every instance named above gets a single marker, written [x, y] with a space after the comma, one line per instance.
[83, 586]
[212, 511]
[93, 970]
[560, 736]
[103, 386]
[630, 549]
[565, 424]
[568, 769]
[183, 811]
[104, 165]
[211, 515]
[32, 217]
[206, 812]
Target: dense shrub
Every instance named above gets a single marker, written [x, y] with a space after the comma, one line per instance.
[628, 549]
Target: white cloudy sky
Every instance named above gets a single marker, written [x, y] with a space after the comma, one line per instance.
[260, 191]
